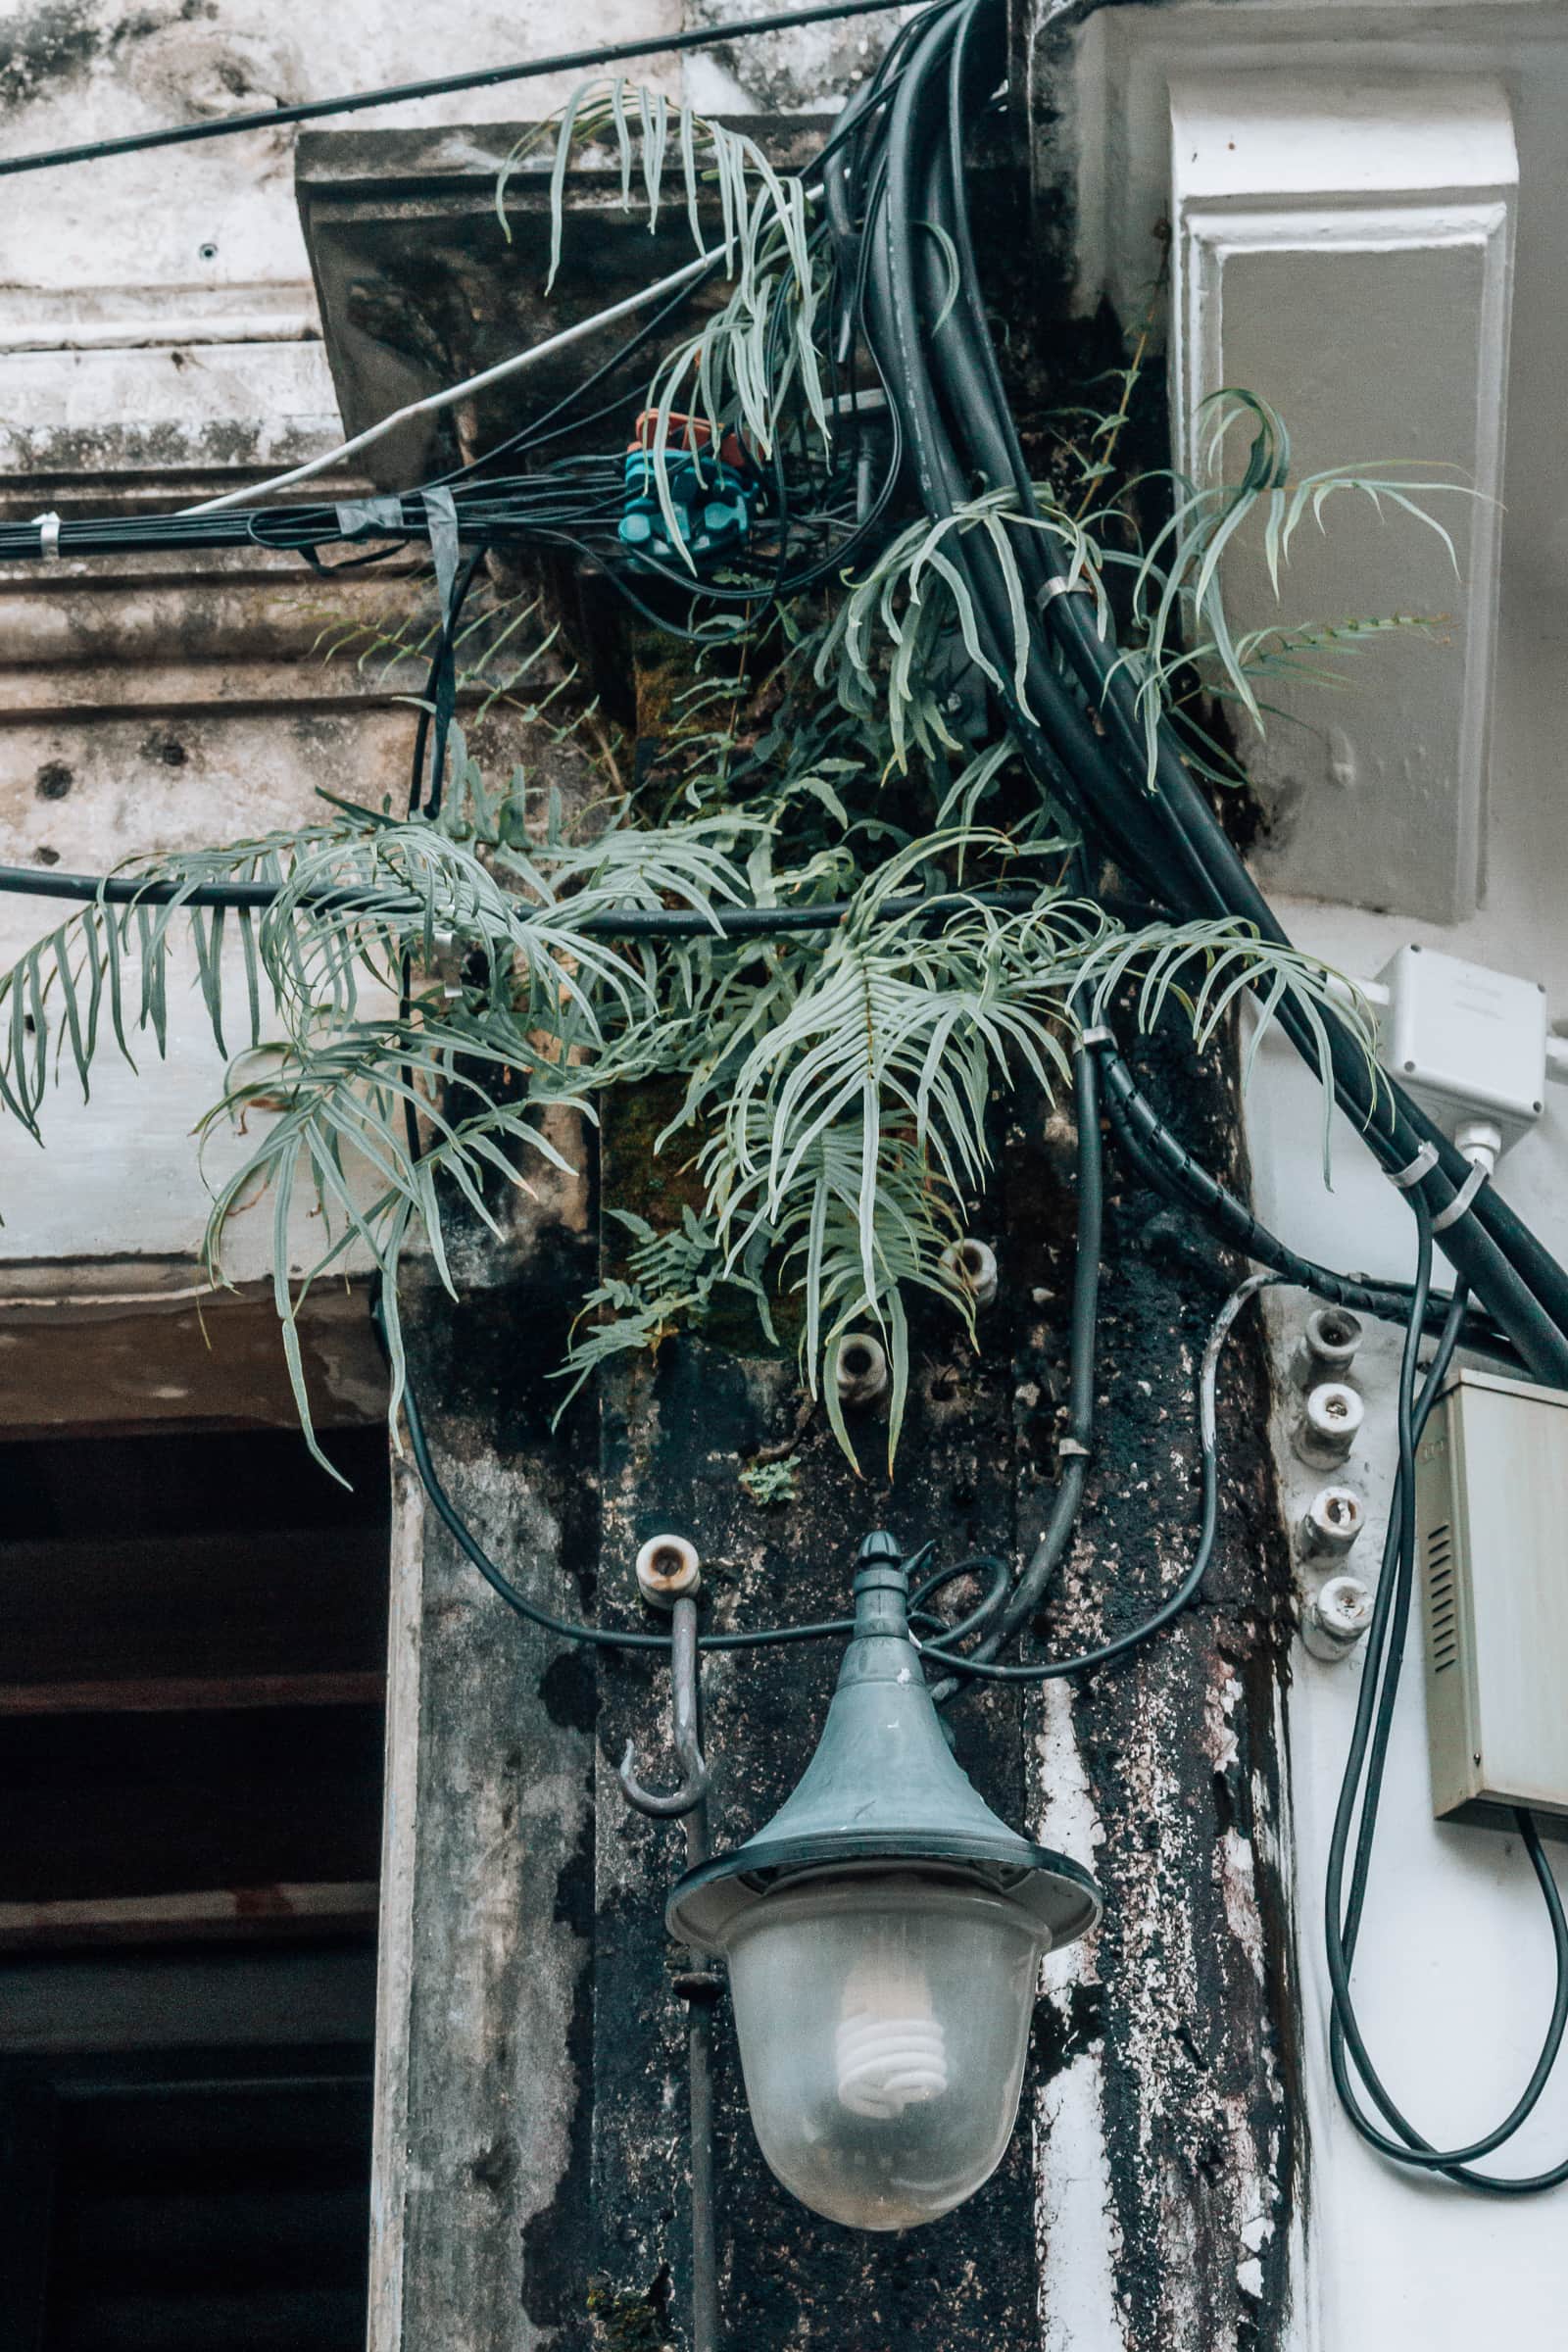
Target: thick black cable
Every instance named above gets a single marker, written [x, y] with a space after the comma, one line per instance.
[1167, 837]
[599, 1636]
[994, 1594]
[903, 287]
[438, 704]
[482, 78]
[717, 923]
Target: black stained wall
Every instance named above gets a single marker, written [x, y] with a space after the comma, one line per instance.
[1183, 2002]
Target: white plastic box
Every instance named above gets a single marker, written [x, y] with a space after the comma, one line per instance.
[1492, 1530]
[1467, 1042]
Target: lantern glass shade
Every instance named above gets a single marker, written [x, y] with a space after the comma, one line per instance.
[882, 2020]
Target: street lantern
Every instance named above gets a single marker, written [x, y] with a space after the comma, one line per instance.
[883, 1933]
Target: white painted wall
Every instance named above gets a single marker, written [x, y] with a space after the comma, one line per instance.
[1455, 1981]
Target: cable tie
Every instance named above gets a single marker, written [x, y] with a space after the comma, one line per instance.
[1060, 585]
[1461, 1201]
[1100, 1035]
[48, 534]
[1072, 1446]
[1407, 1178]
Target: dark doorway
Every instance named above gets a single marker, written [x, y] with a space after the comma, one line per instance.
[192, 1656]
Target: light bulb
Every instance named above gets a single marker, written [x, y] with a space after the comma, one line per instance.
[889, 2048]
[883, 2018]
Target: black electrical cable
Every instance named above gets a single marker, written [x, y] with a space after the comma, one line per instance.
[1363, 1789]
[483, 78]
[533, 434]
[584, 492]
[438, 705]
[599, 1637]
[1165, 1161]
[985, 1608]
[718, 923]
[596, 1636]
[1187, 1591]
[903, 285]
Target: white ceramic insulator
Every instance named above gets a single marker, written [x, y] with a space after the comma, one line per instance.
[1337, 1617]
[886, 2064]
[669, 1569]
[1330, 1524]
[1326, 1349]
[975, 1264]
[862, 1371]
[1330, 1420]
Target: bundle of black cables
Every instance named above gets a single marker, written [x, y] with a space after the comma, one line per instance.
[898, 175]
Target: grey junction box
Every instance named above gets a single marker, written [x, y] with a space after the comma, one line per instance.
[1491, 1533]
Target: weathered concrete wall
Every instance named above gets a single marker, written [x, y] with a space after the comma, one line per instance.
[1173, 2157]
[1164, 2075]
[484, 2053]
[160, 343]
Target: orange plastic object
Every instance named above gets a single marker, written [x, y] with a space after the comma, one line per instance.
[690, 432]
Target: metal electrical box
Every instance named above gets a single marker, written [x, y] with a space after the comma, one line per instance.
[1491, 1535]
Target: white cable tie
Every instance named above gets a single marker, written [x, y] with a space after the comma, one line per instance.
[1072, 1446]
[1060, 585]
[1100, 1035]
[1407, 1178]
[1461, 1201]
[48, 534]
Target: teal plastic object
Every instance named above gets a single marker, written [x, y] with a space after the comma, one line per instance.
[883, 1790]
[714, 506]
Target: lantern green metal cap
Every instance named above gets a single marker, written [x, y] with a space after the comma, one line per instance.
[883, 1792]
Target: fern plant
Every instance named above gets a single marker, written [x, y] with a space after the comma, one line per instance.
[431, 991]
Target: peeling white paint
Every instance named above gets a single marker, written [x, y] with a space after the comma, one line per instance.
[1079, 2239]
[1078, 2236]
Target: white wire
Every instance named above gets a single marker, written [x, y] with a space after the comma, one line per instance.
[436, 401]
